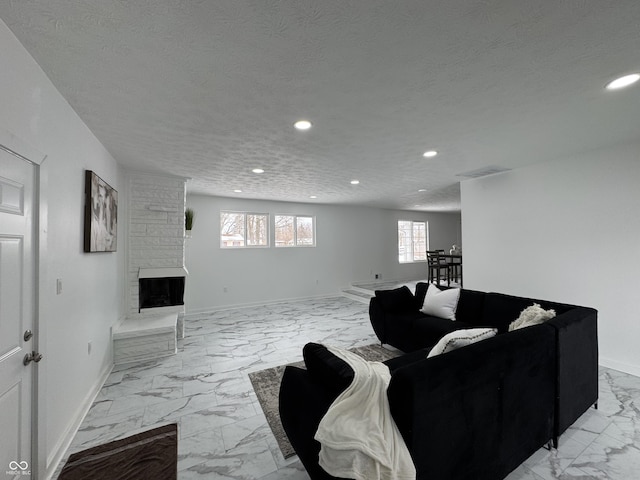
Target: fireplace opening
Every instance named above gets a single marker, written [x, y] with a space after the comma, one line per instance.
[161, 292]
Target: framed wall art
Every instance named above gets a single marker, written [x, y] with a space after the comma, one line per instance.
[100, 215]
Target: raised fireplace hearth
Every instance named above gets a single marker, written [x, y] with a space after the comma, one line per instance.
[155, 331]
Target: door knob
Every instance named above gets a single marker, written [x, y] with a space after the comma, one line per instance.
[32, 357]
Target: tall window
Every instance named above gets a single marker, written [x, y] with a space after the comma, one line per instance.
[295, 231]
[412, 241]
[241, 229]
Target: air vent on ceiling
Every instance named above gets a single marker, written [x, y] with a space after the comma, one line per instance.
[483, 172]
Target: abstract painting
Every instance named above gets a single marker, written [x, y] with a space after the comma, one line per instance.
[101, 215]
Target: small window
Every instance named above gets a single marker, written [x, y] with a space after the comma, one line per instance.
[295, 231]
[412, 241]
[241, 229]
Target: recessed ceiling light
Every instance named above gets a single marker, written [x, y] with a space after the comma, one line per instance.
[623, 81]
[430, 154]
[422, 190]
[313, 196]
[237, 190]
[355, 182]
[257, 170]
[302, 125]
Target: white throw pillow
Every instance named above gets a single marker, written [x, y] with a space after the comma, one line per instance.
[533, 315]
[461, 338]
[441, 303]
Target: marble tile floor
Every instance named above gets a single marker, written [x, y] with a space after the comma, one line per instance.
[224, 435]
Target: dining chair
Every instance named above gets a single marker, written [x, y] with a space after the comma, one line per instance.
[436, 264]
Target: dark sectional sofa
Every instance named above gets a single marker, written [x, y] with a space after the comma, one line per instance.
[474, 413]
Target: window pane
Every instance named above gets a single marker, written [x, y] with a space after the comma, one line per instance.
[304, 231]
[257, 230]
[231, 229]
[419, 241]
[405, 247]
[284, 231]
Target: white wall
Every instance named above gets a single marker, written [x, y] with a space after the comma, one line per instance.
[353, 244]
[566, 230]
[92, 300]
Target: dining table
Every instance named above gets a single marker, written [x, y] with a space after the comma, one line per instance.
[454, 261]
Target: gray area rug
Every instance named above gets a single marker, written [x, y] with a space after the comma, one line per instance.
[266, 384]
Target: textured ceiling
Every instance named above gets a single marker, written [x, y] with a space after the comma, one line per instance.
[210, 89]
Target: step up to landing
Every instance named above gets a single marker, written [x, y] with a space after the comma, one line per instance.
[357, 295]
[363, 291]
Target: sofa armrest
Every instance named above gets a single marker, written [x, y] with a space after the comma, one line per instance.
[302, 404]
[577, 364]
[331, 372]
[377, 317]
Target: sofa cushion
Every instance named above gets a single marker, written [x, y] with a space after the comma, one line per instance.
[461, 338]
[397, 300]
[421, 291]
[470, 306]
[332, 372]
[441, 303]
[470, 303]
[532, 315]
[500, 310]
[426, 330]
[399, 330]
[406, 359]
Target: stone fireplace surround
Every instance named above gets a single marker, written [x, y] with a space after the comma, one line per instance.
[155, 251]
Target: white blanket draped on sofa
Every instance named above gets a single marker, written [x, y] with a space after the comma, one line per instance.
[359, 438]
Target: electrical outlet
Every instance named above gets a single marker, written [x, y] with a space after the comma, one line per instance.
[224, 289]
[377, 276]
[58, 286]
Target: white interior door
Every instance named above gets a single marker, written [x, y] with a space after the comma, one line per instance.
[17, 309]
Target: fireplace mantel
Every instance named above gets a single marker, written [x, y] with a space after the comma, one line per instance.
[165, 272]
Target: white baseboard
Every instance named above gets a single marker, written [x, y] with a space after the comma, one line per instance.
[620, 366]
[59, 449]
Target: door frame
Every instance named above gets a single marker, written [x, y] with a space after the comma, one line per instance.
[17, 147]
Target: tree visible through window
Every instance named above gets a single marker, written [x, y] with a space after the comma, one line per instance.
[412, 241]
[285, 232]
[304, 231]
[240, 229]
[294, 231]
[257, 230]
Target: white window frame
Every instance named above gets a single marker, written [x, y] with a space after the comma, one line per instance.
[245, 240]
[295, 240]
[411, 243]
